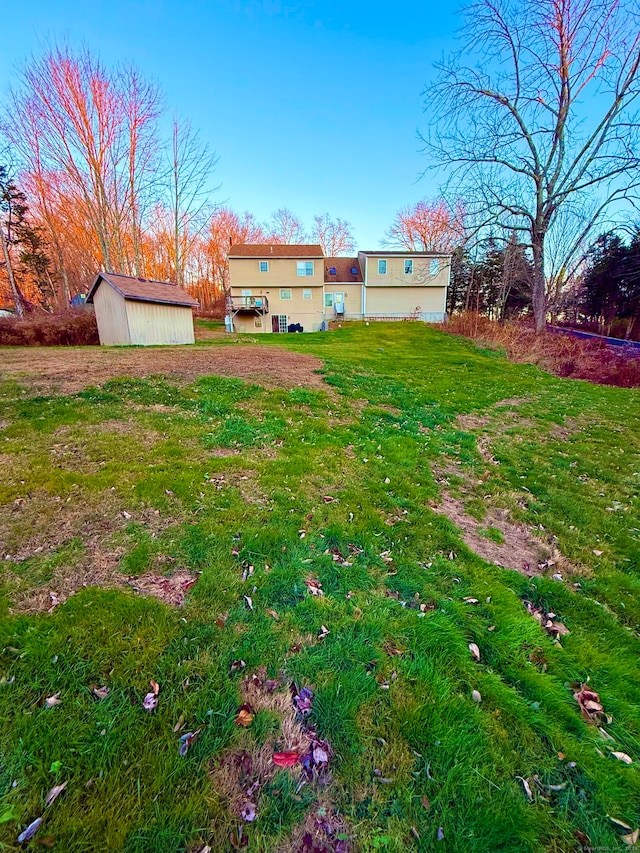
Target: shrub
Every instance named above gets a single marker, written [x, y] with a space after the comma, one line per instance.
[559, 353]
[74, 328]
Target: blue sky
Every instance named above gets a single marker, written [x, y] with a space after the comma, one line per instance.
[313, 106]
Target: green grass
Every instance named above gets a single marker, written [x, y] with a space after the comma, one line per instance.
[226, 466]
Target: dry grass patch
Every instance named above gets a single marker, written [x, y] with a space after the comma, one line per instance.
[69, 371]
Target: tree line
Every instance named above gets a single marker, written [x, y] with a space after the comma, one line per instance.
[88, 183]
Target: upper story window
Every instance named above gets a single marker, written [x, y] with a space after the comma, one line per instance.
[305, 267]
[382, 267]
[285, 293]
[408, 267]
[434, 266]
[306, 294]
[264, 266]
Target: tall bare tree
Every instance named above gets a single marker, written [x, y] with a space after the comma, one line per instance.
[191, 165]
[428, 226]
[285, 227]
[540, 108]
[334, 235]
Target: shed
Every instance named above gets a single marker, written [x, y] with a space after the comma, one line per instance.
[139, 311]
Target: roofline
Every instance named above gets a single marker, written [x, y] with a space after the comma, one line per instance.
[267, 256]
[104, 276]
[395, 253]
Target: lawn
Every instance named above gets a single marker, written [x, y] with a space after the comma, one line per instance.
[351, 570]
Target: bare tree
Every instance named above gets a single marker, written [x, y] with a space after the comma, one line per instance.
[191, 165]
[542, 114]
[428, 226]
[334, 235]
[285, 227]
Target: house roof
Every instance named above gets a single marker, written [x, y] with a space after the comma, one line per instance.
[143, 289]
[343, 267]
[380, 253]
[276, 250]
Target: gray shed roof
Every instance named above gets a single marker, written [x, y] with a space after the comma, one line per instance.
[143, 289]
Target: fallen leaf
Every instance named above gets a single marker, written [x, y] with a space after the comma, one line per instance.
[527, 788]
[30, 831]
[440, 834]
[150, 701]
[54, 793]
[619, 823]
[249, 601]
[471, 600]
[179, 724]
[302, 699]
[320, 755]
[286, 759]
[248, 812]
[273, 614]
[187, 740]
[324, 632]
[245, 716]
[632, 838]
[329, 500]
[426, 803]
[52, 701]
[475, 651]
[46, 841]
[590, 704]
[597, 553]
[100, 692]
[126, 514]
[622, 756]
[476, 696]
[237, 664]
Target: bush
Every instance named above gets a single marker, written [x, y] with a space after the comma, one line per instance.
[559, 353]
[74, 328]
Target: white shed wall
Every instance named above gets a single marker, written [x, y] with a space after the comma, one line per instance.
[154, 323]
[111, 316]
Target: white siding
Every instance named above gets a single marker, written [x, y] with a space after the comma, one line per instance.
[111, 316]
[154, 323]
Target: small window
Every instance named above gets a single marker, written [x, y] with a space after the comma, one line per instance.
[264, 266]
[305, 267]
[285, 293]
[382, 267]
[434, 266]
[306, 294]
[258, 322]
[328, 300]
[408, 267]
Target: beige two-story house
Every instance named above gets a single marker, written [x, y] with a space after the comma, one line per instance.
[280, 288]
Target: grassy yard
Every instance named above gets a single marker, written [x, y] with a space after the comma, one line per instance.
[226, 540]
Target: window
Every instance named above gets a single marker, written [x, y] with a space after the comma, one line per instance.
[285, 293]
[264, 266]
[408, 267]
[434, 266]
[305, 267]
[328, 300]
[382, 267]
[246, 293]
[258, 322]
[306, 294]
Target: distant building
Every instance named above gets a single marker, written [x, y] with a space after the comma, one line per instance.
[281, 287]
[139, 311]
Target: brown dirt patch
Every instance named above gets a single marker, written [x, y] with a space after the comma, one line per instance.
[522, 549]
[68, 371]
[172, 590]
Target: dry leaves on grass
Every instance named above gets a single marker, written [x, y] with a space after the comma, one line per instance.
[244, 716]
[475, 651]
[54, 793]
[590, 705]
[547, 620]
[150, 701]
[187, 740]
